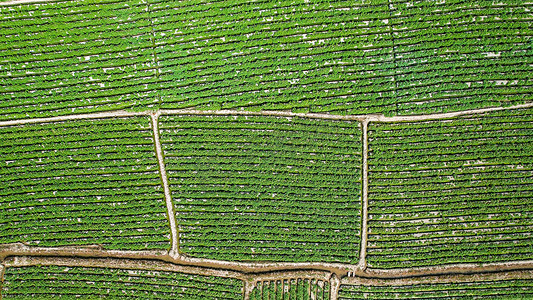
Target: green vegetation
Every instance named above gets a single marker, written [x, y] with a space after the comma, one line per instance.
[66, 57]
[48, 282]
[451, 191]
[82, 182]
[265, 188]
[341, 57]
[331, 56]
[294, 288]
[503, 289]
[456, 55]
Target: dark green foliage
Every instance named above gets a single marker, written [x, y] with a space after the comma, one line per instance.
[456, 55]
[341, 57]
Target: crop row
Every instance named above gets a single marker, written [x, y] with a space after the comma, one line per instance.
[64, 57]
[291, 288]
[481, 60]
[244, 191]
[81, 182]
[45, 282]
[343, 58]
[442, 201]
[502, 289]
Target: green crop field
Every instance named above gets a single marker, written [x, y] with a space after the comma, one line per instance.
[451, 191]
[293, 288]
[303, 149]
[502, 289]
[265, 188]
[48, 282]
[82, 182]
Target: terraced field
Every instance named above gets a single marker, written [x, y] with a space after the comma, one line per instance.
[45, 282]
[291, 288]
[501, 289]
[199, 149]
[65, 57]
[82, 182]
[451, 191]
[264, 188]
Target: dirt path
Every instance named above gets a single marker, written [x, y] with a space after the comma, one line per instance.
[19, 249]
[119, 263]
[359, 118]
[447, 278]
[174, 251]
[364, 198]
[381, 118]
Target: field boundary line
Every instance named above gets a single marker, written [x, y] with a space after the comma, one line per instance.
[95, 251]
[382, 118]
[444, 278]
[247, 288]
[334, 287]
[174, 251]
[364, 198]
[120, 263]
[359, 118]
[99, 115]
[2, 272]
[467, 268]
[256, 268]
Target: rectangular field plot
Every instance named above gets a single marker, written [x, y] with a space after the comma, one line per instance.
[48, 282]
[265, 188]
[501, 289]
[455, 55]
[333, 56]
[451, 191]
[291, 288]
[82, 182]
[64, 57]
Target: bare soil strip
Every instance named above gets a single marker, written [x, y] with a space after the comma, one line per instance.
[450, 278]
[335, 284]
[257, 268]
[360, 118]
[364, 196]
[19, 249]
[2, 271]
[448, 269]
[174, 251]
[381, 118]
[118, 263]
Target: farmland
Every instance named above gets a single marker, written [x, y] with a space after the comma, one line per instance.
[339, 57]
[80, 183]
[501, 289]
[160, 149]
[264, 188]
[44, 282]
[444, 187]
[291, 288]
